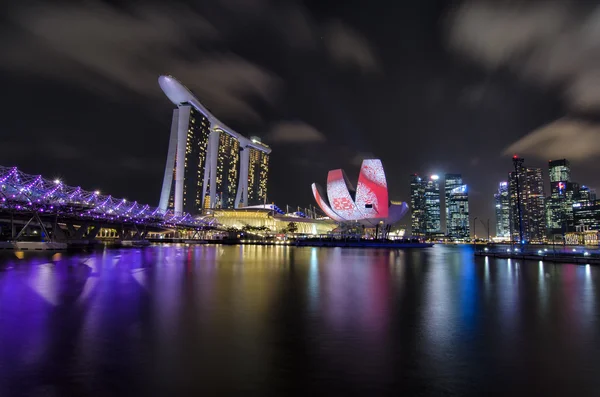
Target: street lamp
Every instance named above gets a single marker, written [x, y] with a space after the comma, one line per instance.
[488, 228]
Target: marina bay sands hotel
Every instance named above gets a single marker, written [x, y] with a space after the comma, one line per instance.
[209, 165]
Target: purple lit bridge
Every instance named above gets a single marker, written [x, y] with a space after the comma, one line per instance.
[65, 214]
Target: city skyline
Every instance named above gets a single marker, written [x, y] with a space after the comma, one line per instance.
[526, 212]
[335, 88]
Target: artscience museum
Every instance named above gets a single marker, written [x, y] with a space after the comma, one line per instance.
[368, 204]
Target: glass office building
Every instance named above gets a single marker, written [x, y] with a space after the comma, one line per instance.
[457, 207]
[417, 205]
[502, 204]
[533, 216]
[433, 220]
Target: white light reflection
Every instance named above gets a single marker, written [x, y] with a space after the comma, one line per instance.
[139, 275]
[439, 314]
[168, 293]
[487, 270]
[44, 283]
[589, 301]
[91, 328]
[542, 289]
[398, 264]
[313, 280]
[90, 282]
[508, 292]
[335, 295]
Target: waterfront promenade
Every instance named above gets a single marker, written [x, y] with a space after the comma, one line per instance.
[548, 253]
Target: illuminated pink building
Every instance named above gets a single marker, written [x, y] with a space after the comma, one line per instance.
[368, 203]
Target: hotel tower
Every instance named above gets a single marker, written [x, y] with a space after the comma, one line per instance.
[209, 165]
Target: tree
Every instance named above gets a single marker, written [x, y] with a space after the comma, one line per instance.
[232, 232]
[292, 227]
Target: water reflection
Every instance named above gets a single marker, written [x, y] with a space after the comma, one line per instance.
[184, 319]
[313, 283]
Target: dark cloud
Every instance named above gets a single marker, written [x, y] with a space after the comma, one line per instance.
[349, 48]
[295, 132]
[63, 151]
[550, 43]
[565, 138]
[296, 26]
[92, 44]
[554, 45]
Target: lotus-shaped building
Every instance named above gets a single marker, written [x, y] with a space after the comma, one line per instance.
[367, 204]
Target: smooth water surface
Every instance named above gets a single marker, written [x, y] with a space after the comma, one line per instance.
[212, 320]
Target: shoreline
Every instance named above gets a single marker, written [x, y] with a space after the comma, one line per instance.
[545, 257]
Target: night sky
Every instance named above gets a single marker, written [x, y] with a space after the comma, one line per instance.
[427, 86]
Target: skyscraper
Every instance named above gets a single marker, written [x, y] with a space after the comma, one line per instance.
[189, 185]
[585, 196]
[208, 164]
[502, 211]
[228, 167]
[433, 224]
[587, 213]
[559, 171]
[417, 205]
[257, 175]
[586, 209]
[530, 185]
[559, 206]
[457, 207]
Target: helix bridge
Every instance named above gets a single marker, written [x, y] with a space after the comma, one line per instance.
[42, 198]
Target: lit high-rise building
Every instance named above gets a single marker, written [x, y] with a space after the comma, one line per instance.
[585, 196]
[228, 167]
[197, 130]
[208, 164]
[533, 216]
[559, 171]
[433, 224]
[457, 207]
[452, 180]
[587, 214]
[417, 205]
[257, 175]
[586, 209]
[559, 206]
[502, 211]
